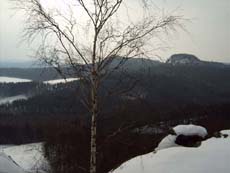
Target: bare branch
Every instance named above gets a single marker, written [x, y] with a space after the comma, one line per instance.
[107, 37]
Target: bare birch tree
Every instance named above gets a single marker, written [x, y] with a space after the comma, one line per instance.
[93, 33]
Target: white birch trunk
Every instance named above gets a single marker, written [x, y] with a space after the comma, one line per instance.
[93, 145]
[93, 148]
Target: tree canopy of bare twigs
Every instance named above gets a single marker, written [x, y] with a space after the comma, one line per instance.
[93, 33]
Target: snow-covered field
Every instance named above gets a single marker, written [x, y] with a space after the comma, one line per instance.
[57, 81]
[4, 79]
[10, 100]
[23, 158]
[213, 156]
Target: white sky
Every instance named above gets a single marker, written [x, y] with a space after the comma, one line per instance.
[208, 37]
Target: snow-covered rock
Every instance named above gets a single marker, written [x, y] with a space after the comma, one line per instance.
[180, 131]
[4, 79]
[225, 132]
[190, 130]
[212, 156]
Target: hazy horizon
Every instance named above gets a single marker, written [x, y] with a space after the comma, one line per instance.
[208, 34]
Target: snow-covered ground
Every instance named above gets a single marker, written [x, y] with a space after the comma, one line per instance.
[168, 142]
[24, 158]
[10, 100]
[7, 165]
[4, 79]
[57, 81]
[212, 156]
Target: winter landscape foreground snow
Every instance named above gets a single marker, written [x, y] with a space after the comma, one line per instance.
[211, 157]
[23, 159]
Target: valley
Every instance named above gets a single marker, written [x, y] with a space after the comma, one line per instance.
[165, 95]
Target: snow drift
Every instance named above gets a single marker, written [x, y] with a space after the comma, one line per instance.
[29, 158]
[7, 165]
[212, 156]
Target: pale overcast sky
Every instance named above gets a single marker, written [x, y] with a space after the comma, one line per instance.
[208, 37]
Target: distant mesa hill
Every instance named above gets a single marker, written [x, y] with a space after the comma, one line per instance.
[184, 59]
[175, 60]
[188, 59]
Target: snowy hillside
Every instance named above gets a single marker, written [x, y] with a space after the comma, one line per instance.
[6, 80]
[7, 165]
[212, 156]
[23, 157]
[24, 96]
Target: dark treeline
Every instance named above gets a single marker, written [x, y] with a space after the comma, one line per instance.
[42, 98]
